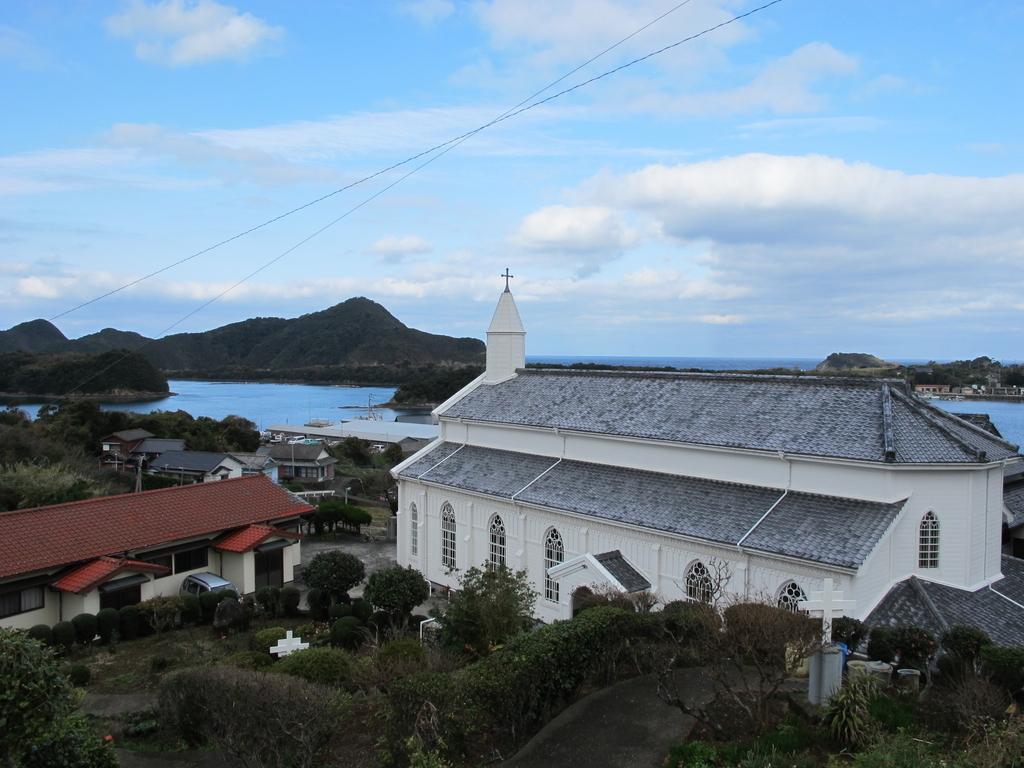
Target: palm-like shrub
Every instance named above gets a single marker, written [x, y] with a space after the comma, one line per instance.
[847, 714]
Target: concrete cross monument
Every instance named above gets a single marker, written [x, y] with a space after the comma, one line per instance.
[829, 605]
[288, 645]
[826, 672]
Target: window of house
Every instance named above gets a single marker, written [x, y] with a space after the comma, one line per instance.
[699, 586]
[790, 595]
[191, 559]
[928, 542]
[554, 553]
[497, 538]
[414, 530]
[21, 600]
[448, 536]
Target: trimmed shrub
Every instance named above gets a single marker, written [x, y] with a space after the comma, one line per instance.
[347, 632]
[380, 621]
[290, 599]
[191, 609]
[914, 646]
[64, 634]
[79, 675]
[108, 622]
[268, 599]
[362, 609]
[208, 604]
[85, 627]
[339, 611]
[129, 621]
[1004, 667]
[880, 644]
[229, 615]
[326, 666]
[253, 660]
[265, 638]
[694, 626]
[334, 572]
[965, 643]
[160, 613]
[849, 631]
[317, 602]
[42, 633]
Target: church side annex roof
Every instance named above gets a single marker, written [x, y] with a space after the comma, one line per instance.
[849, 418]
[822, 529]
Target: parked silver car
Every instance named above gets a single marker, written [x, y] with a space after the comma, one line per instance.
[198, 583]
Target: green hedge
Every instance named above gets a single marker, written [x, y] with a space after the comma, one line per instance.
[1005, 666]
[500, 700]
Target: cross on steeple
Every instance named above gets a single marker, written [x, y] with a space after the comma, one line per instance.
[507, 277]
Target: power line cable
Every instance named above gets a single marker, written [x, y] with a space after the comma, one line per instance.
[444, 148]
[511, 112]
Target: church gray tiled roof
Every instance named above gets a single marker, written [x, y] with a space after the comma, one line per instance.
[628, 576]
[1013, 498]
[865, 419]
[821, 529]
[937, 607]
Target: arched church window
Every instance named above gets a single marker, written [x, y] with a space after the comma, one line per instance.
[448, 537]
[790, 595]
[699, 586]
[497, 532]
[414, 530]
[928, 542]
[554, 553]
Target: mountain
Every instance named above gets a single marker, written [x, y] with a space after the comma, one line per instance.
[847, 361]
[357, 332]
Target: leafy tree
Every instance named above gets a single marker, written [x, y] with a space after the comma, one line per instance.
[38, 726]
[23, 486]
[334, 573]
[397, 590]
[490, 606]
[352, 450]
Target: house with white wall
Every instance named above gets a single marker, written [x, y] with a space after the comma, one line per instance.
[682, 483]
[110, 551]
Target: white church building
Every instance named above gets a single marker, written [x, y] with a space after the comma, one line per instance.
[653, 481]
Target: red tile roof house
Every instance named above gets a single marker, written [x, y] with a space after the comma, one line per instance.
[66, 559]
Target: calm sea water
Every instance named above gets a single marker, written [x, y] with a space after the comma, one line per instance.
[266, 403]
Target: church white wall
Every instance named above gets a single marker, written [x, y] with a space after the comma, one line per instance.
[662, 559]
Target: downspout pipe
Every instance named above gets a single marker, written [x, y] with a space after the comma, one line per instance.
[739, 544]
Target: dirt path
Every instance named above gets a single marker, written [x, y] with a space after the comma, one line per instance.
[623, 726]
[116, 704]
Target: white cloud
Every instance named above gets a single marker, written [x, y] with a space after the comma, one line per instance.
[721, 319]
[394, 248]
[812, 126]
[586, 235]
[428, 11]
[184, 32]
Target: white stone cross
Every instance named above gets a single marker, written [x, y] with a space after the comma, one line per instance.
[288, 645]
[829, 605]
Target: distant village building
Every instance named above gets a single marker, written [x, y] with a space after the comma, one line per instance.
[666, 482]
[107, 552]
[197, 466]
[935, 389]
[302, 461]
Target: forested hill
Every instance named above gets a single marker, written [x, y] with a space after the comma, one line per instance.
[114, 372]
[357, 332]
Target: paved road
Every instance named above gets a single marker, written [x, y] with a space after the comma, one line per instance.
[623, 726]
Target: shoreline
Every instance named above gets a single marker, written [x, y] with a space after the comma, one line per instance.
[28, 398]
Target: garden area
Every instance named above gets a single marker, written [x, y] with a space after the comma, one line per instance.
[367, 692]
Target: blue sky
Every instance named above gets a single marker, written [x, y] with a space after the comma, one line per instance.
[820, 176]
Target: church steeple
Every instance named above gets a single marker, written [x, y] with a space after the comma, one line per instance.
[506, 338]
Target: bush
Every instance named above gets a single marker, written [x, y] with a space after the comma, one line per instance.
[268, 599]
[230, 614]
[79, 675]
[129, 621]
[108, 622]
[1004, 667]
[965, 703]
[397, 590]
[326, 666]
[693, 626]
[880, 644]
[273, 721]
[42, 633]
[965, 643]
[398, 659]
[64, 635]
[849, 631]
[290, 599]
[347, 632]
[85, 627]
[334, 573]
[71, 743]
[253, 660]
[208, 602]
[340, 610]
[160, 613]
[490, 606]
[191, 609]
[914, 645]
[362, 609]
[847, 715]
[267, 638]
[317, 602]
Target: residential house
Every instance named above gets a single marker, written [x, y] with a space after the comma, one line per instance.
[302, 461]
[761, 486]
[65, 559]
[117, 449]
[153, 448]
[257, 464]
[197, 466]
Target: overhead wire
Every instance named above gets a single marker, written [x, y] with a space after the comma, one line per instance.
[439, 151]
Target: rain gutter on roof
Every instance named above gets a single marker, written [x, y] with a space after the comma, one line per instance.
[442, 461]
[888, 436]
[512, 498]
[1010, 599]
